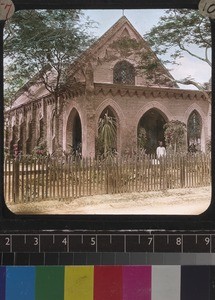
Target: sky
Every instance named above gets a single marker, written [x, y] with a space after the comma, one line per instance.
[143, 20]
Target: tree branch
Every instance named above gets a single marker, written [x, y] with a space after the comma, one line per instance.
[206, 56]
[194, 55]
[188, 81]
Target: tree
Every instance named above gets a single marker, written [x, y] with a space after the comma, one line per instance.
[39, 46]
[174, 134]
[141, 138]
[177, 31]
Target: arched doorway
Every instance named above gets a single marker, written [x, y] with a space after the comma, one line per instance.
[106, 142]
[150, 127]
[74, 133]
[194, 129]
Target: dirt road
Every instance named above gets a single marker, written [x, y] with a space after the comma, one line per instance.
[179, 201]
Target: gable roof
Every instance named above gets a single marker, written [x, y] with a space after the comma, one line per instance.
[123, 22]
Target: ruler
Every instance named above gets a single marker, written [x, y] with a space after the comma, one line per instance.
[101, 248]
[67, 243]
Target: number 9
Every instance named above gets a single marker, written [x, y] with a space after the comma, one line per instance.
[207, 241]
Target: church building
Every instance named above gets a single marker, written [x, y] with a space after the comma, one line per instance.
[104, 80]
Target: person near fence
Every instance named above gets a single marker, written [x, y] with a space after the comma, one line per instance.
[161, 150]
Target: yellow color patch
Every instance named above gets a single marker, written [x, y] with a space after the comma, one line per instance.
[78, 283]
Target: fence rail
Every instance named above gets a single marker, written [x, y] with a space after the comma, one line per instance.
[28, 180]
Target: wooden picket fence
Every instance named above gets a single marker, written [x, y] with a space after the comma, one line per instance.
[29, 179]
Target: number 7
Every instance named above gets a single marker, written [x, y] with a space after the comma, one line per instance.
[8, 8]
[150, 239]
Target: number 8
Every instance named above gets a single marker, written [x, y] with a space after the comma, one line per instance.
[178, 241]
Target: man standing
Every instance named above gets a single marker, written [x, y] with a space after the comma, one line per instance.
[160, 151]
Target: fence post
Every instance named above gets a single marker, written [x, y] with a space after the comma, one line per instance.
[182, 172]
[16, 181]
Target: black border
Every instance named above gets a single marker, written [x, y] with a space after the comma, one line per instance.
[10, 221]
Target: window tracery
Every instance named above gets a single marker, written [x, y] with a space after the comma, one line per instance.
[124, 73]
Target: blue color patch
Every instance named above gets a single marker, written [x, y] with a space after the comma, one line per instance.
[20, 283]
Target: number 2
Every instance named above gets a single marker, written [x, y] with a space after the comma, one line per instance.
[7, 241]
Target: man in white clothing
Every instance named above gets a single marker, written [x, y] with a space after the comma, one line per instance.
[160, 151]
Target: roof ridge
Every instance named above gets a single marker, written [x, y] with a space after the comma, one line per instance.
[119, 23]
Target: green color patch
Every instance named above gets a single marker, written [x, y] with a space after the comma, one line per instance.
[49, 283]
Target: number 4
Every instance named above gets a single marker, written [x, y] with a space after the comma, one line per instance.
[64, 241]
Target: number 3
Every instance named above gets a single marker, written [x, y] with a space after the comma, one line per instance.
[36, 241]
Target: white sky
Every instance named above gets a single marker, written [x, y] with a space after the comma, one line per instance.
[143, 20]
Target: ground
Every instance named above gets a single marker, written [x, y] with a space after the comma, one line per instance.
[179, 201]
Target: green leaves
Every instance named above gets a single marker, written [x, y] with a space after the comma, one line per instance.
[174, 134]
[178, 29]
[34, 39]
[107, 133]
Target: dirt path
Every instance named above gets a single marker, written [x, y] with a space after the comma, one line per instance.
[179, 201]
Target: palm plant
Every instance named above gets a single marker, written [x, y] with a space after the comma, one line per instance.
[107, 133]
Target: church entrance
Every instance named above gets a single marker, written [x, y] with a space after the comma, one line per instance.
[74, 133]
[150, 130]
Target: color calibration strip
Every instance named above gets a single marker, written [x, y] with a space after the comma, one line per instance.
[107, 282]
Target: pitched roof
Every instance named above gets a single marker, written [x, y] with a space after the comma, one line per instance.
[98, 44]
[101, 41]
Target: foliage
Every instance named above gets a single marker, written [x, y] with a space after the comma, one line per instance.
[180, 29]
[126, 47]
[142, 138]
[40, 151]
[174, 134]
[208, 146]
[175, 34]
[107, 134]
[43, 41]
[144, 60]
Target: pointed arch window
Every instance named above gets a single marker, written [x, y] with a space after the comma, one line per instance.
[124, 73]
[194, 129]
